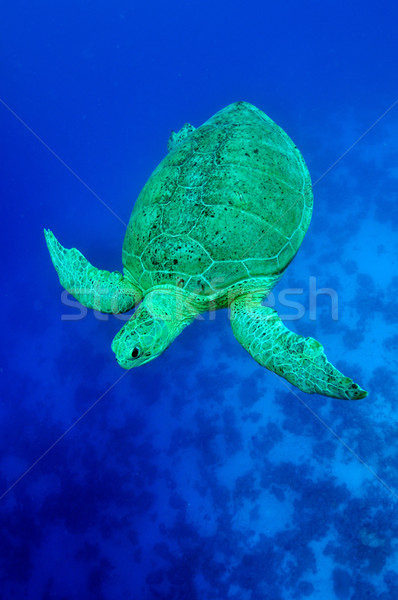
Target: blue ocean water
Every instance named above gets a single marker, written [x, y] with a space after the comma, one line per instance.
[199, 476]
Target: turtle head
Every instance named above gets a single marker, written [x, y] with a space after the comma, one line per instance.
[151, 329]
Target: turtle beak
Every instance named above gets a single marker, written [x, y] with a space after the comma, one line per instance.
[121, 360]
[125, 364]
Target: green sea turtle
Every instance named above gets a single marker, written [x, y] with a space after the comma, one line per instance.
[215, 226]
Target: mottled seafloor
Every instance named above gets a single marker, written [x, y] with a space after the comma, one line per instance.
[200, 476]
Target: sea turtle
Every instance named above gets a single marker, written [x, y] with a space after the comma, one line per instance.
[215, 226]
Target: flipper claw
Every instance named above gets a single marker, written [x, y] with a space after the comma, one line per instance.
[300, 360]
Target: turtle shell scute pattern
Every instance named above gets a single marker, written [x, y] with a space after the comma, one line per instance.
[231, 202]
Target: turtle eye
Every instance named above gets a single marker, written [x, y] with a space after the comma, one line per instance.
[135, 353]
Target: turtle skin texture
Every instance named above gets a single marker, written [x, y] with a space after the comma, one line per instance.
[216, 225]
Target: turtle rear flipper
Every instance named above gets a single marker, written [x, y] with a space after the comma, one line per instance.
[300, 360]
[106, 291]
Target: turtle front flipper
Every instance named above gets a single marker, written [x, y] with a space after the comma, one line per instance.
[106, 291]
[300, 360]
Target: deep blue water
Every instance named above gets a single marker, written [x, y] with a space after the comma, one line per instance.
[199, 476]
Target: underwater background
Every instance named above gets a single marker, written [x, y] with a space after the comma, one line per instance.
[200, 476]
